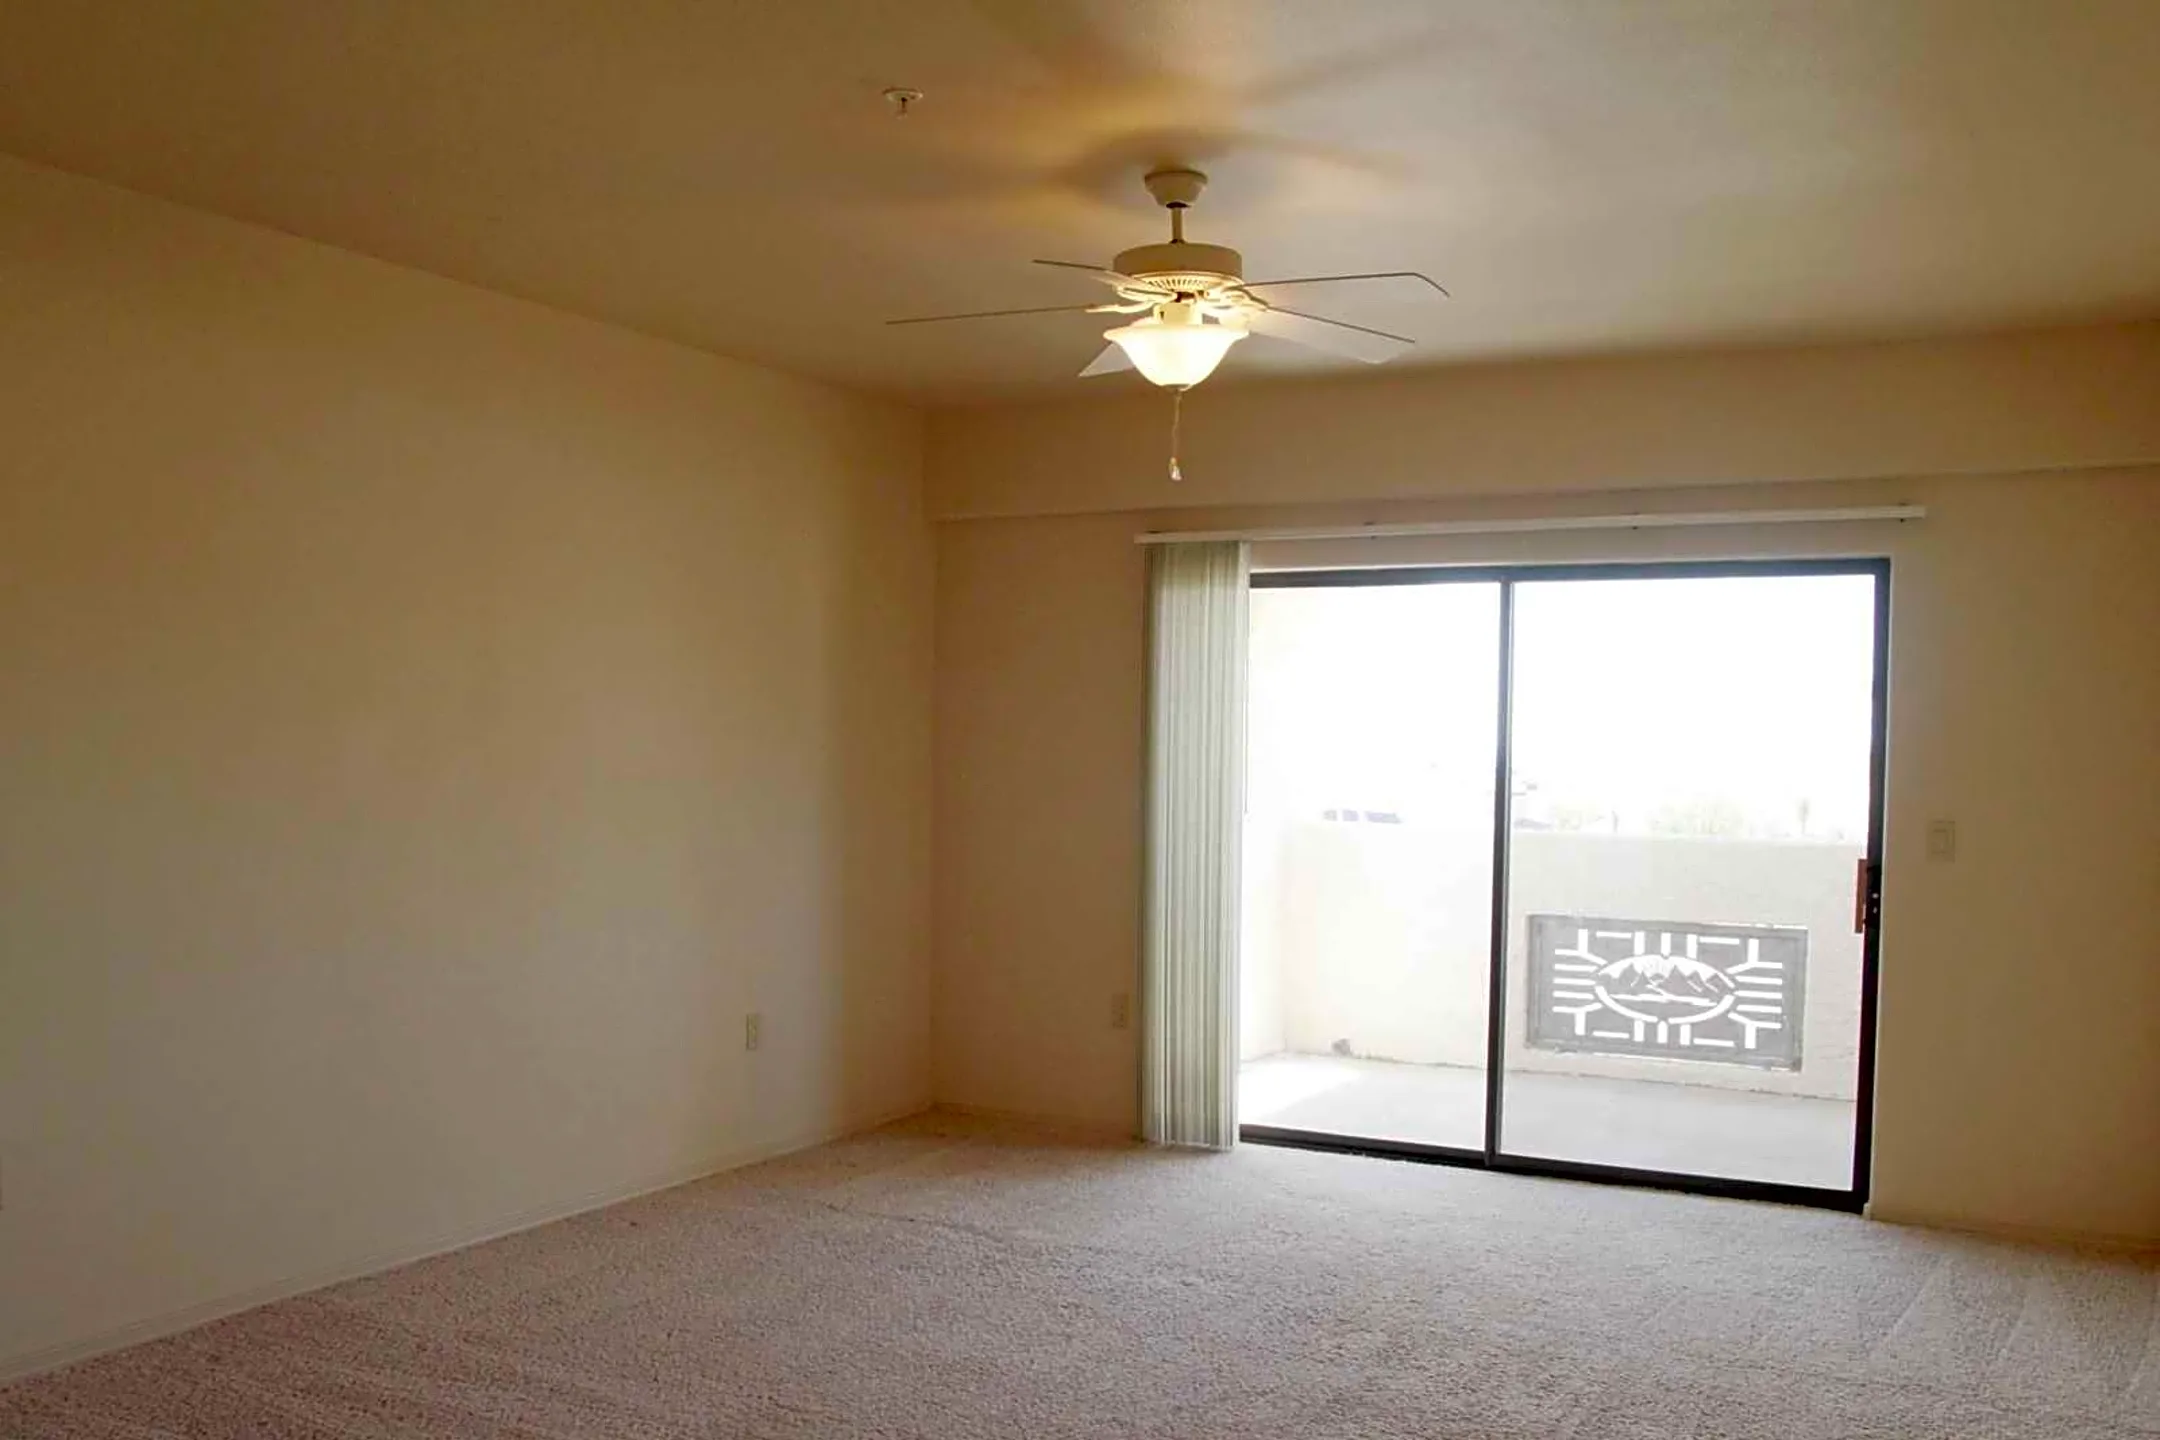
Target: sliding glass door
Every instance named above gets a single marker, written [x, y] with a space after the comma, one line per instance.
[1691, 761]
[1370, 777]
[1570, 870]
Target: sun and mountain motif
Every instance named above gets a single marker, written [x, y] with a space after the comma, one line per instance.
[1729, 994]
[1673, 980]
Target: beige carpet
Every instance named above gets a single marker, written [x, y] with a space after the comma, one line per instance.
[945, 1277]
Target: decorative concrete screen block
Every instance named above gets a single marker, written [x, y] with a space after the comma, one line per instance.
[1728, 994]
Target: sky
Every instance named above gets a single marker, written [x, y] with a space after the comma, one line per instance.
[1730, 706]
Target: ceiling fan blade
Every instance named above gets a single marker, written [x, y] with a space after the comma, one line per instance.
[1336, 337]
[1331, 279]
[1108, 277]
[1112, 360]
[994, 314]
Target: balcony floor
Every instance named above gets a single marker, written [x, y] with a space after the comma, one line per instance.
[1647, 1125]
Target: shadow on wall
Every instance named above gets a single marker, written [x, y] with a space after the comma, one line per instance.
[873, 803]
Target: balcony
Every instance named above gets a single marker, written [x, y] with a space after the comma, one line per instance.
[1680, 1003]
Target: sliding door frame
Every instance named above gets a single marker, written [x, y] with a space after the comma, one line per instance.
[1491, 1156]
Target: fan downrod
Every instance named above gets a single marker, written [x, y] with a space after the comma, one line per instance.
[1180, 265]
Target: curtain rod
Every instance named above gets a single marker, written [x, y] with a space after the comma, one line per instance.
[1637, 520]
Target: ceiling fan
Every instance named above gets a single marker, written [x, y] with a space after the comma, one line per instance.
[1192, 303]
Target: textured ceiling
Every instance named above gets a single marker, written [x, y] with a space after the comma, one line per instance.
[1583, 174]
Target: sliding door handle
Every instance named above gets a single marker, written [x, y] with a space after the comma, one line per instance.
[1863, 897]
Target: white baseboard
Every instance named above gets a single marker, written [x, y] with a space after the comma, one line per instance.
[1094, 1129]
[2135, 1245]
[187, 1317]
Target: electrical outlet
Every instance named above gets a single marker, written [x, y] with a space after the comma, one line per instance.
[1942, 840]
[1121, 1011]
[753, 1030]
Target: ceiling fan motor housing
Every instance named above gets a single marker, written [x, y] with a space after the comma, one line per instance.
[1182, 265]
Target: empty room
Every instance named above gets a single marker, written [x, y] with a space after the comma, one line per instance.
[1156, 718]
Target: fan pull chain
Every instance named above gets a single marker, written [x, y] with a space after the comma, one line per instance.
[1177, 419]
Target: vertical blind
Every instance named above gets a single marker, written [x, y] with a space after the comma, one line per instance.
[1198, 601]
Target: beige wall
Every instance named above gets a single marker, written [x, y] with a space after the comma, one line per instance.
[427, 724]
[2020, 1069]
[1991, 405]
[1037, 868]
